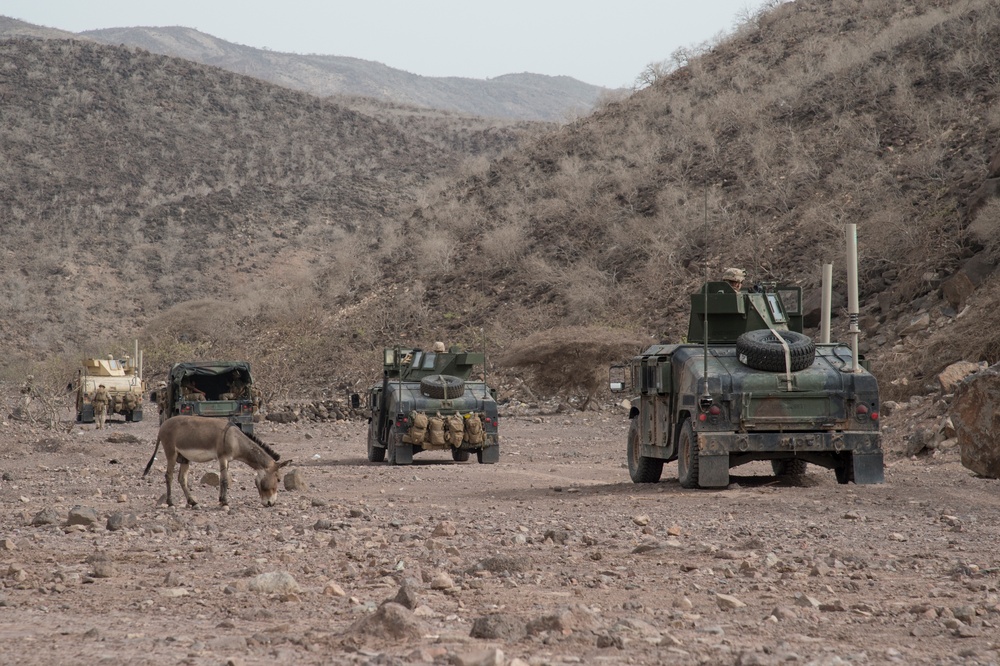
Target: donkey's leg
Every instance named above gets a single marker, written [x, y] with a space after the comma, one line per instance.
[182, 478]
[224, 481]
[169, 475]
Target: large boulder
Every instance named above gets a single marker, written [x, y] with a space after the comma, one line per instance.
[975, 411]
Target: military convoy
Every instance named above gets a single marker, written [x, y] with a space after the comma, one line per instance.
[222, 389]
[122, 378]
[747, 385]
[428, 400]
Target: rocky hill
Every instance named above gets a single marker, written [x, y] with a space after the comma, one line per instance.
[516, 96]
[218, 215]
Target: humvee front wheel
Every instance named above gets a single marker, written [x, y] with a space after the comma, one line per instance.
[641, 468]
[789, 468]
[687, 456]
[375, 453]
[459, 455]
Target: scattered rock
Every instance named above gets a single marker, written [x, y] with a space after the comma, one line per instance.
[389, 623]
[728, 602]
[210, 479]
[976, 402]
[121, 520]
[499, 627]
[82, 515]
[275, 582]
[294, 480]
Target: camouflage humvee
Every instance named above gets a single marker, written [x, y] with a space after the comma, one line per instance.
[428, 400]
[732, 393]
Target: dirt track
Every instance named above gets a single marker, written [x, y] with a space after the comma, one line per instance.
[560, 557]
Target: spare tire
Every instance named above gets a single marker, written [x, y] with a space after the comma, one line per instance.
[441, 386]
[762, 350]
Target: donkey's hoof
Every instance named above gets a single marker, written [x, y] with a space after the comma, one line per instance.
[192, 504]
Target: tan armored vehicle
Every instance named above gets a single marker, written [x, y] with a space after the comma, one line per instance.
[123, 380]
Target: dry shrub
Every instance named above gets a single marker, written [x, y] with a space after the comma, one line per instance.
[985, 228]
[572, 361]
[504, 245]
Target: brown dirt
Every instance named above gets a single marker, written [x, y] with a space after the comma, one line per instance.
[904, 572]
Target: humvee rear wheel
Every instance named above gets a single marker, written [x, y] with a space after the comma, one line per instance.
[375, 453]
[641, 468]
[761, 350]
[845, 469]
[441, 386]
[459, 455]
[792, 468]
[687, 456]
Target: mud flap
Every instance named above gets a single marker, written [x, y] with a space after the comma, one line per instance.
[713, 471]
[488, 455]
[868, 468]
[399, 453]
[87, 414]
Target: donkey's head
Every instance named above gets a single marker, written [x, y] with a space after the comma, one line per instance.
[267, 482]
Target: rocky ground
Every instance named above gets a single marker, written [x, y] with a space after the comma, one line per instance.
[552, 556]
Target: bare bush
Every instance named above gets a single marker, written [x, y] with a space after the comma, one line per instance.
[571, 361]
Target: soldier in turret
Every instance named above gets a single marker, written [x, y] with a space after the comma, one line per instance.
[100, 402]
[735, 277]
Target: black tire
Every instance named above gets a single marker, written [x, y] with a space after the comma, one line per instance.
[441, 386]
[792, 468]
[376, 454]
[687, 456]
[845, 470]
[641, 468]
[459, 455]
[761, 350]
[137, 416]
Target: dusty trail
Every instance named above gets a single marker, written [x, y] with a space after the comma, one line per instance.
[554, 541]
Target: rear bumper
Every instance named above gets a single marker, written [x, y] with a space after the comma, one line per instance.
[856, 455]
[725, 443]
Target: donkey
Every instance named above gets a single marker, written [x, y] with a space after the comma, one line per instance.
[188, 439]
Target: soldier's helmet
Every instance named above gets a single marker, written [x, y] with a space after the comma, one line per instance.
[101, 386]
[439, 347]
[734, 275]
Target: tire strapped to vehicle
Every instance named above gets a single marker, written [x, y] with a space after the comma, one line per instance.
[442, 387]
[761, 350]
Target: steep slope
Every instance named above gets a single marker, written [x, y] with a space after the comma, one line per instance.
[520, 96]
[133, 182]
[813, 115]
[754, 153]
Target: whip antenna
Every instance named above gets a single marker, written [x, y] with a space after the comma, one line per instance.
[705, 313]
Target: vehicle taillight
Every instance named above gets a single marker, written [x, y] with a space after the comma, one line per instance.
[862, 409]
[715, 410]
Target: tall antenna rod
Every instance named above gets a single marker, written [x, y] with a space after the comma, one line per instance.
[705, 314]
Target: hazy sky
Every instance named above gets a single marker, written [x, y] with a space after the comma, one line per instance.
[605, 42]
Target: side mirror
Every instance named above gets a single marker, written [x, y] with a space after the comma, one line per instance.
[389, 357]
[616, 379]
[355, 401]
[152, 396]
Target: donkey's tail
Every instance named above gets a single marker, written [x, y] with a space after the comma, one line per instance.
[149, 465]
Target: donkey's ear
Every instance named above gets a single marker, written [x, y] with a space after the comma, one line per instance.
[284, 463]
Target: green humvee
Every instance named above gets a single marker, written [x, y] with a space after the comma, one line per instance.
[428, 400]
[748, 385]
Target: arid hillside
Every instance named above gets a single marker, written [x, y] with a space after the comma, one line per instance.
[220, 216]
[522, 96]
